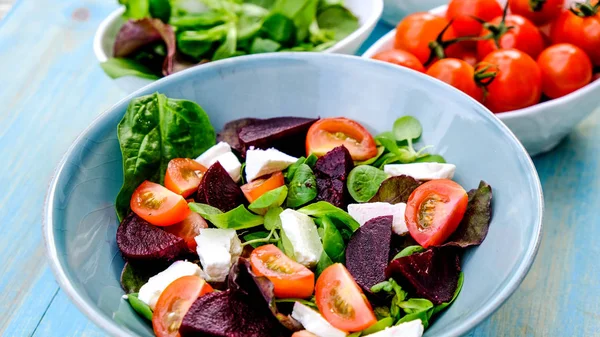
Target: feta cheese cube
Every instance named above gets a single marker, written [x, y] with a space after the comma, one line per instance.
[365, 212]
[218, 249]
[314, 322]
[263, 162]
[422, 171]
[150, 292]
[407, 329]
[301, 230]
[222, 153]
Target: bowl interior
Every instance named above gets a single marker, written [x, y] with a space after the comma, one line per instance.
[80, 223]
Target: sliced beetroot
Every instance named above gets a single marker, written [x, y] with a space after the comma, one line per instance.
[331, 172]
[217, 189]
[432, 274]
[141, 242]
[231, 131]
[287, 134]
[368, 250]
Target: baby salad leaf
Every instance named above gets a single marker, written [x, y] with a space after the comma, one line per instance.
[364, 182]
[338, 19]
[160, 9]
[270, 199]
[380, 150]
[303, 187]
[228, 48]
[116, 67]
[475, 224]
[272, 219]
[333, 242]
[286, 246]
[260, 45]
[407, 128]
[379, 326]
[154, 130]
[279, 27]
[237, 218]
[395, 190]
[324, 262]
[134, 277]
[136, 9]
[431, 158]
[204, 19]
[323, 208]
[257, 239]
[410, 250]
[302, 12]
[140, 307]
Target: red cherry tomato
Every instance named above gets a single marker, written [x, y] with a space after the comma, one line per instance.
[416, 31]
[183, 176]
[401, 58]
[463, 11]
[565, 68]
[188, 229]
[303, 333]
[174, 302]
[434, 211]
[341, 301]
[329, 133]
[518, 83]
[524, 36]
[458, 74]
[157, 205]
[290, 278]
[540, 12]
[582, 31]
[256, 188]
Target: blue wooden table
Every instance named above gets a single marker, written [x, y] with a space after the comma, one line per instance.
[51, 88]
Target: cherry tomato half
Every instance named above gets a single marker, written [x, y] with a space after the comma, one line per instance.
[523, 35]
[183, 176]
[174, 303]
[458, 74]
[584, 32]
[463, 11]
[416, 31]
[290, 278]
[188, 229]
[565, 68]
[518, 83]
[434, 211]
[401, 58]
[329, 133]
[253, 190]
[341, 301]
[540, 12]
[157, 205]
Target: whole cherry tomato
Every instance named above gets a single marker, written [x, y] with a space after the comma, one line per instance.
[463, 11]
[539, 12]
[580, 27]
[518, 82]
[401, 58]
[523, 35]
[565, 68]
[458, 74]
[415, 32]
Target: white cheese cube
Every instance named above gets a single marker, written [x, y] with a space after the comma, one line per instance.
[218, 249]
[407, 329]
[314, 322]
[301, 230]
[210, 156]
[365, 212]
[263, 162]
[150, 292]
[222, 153]
[422, 171]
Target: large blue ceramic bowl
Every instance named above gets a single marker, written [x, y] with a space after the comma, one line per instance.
[80, 222]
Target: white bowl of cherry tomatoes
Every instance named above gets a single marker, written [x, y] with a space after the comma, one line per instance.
[535, 64]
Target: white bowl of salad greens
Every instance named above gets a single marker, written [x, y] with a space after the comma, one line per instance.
[145, 40]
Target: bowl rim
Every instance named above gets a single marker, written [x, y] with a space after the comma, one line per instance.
[369, 22]
[115, 329]
[508, 115]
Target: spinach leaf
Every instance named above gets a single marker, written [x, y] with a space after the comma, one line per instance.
[475, 224]
[279, 28]
[291, 171]
[260, 45]
[431, 158]
[379, 326]
[323, 208]
[228, 48]
[333, 242]
[140, 307]
[410, 250]
[364, 182]
[442, 306]
[237, 218]
[160, 9]
[270, 199]
[339, 20]
[136, 9]
[302, 12]
[407, 128]
[395, 190]
[303, 187]
[272, 220]
[116, 67]
[154, 130]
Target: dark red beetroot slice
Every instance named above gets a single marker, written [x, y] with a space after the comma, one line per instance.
[368, 251]
[231, 131]
[331, 172]
[432, 274]
[139, 241]
[217, 189]
[287, 134]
